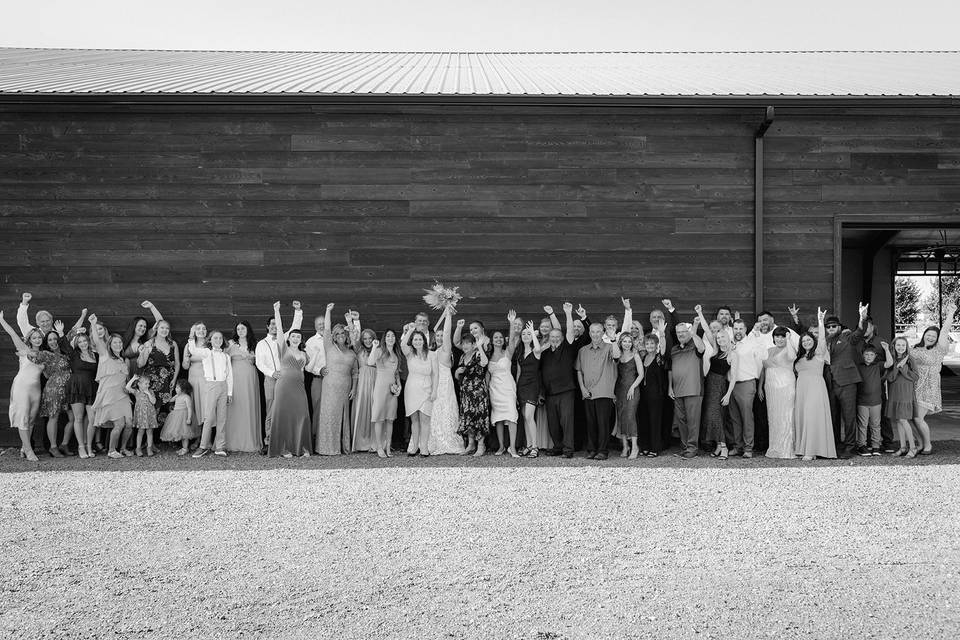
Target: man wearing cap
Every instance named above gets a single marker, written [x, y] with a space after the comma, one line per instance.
[844, 346]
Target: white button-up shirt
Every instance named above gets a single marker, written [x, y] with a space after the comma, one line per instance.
[216, 366]
[316, 355]
[268, 353]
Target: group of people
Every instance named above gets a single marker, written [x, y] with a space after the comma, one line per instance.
[788, 391]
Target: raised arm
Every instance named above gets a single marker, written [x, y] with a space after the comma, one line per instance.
[856, 336]
[948, 315]
[554, 321]
[821, 334]
[627, 315]
[18, 342]
[78, 324]
[95, 338]
[405, 347]
[23, 314]
[446, 347]
[328, 333]
[707, 333]
[568, 312]
[281, 336]
[132, 381]
[149, 306]
[513, 338]
[888, 357]
[458, 331]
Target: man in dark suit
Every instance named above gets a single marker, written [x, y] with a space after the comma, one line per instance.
[844, 346]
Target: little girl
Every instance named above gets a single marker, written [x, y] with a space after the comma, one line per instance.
[179, 421]
[144, 412]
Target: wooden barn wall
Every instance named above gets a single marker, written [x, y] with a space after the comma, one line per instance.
[213, 213]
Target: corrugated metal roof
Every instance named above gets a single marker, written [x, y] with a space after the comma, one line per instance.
[786, 73]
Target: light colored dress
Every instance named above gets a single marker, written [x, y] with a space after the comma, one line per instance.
[446, 417]
[243, 413]
[384, 407]
[333, 420]
[290, 432]
[363, 407]
[780, 391]
[503, 391]
[196, 379]
[176, 427]
[24, 394]
[112, 404]
[812, 411]
[927, 363]
[416, 393]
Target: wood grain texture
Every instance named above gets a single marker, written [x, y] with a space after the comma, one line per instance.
[214, 213]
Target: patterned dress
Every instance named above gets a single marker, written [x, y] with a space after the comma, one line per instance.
[161, 367]
[927, 363]
[56, 368]
[474, 400]
[144, 413]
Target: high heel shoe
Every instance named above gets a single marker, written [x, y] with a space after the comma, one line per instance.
[513, 452]
[911, 454]
[82, 452]
[381, 454]
[899, 452]
[55, 453]
[724, 453]
[31, 456]
[138, 452]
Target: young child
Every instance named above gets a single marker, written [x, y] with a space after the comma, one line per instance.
[870, 397]
[901, 392]
[179, 421]
[144, 412]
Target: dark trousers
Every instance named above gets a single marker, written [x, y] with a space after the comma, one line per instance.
[741, 415]
[560, 420]
[599, 415]
[843, 409]
[686, 418]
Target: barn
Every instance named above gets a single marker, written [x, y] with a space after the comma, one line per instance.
[215, 182]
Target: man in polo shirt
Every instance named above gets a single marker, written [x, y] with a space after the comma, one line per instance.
[686, 387]
[559, 385]
[597, 376]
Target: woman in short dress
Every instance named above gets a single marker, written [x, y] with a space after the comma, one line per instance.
[112, 404]
[629, 378]
[812, 411]
[81, 391]
[445, 419]
[339, 388]
[290, 434]
[503, 388]
[193, 363]
[901, 395]
[474, 395]
[160, 359]
[386, 388]
[528, 386]
[928, 357]
[25, 390]
[243, 414]
[420, 391]
[53, 358]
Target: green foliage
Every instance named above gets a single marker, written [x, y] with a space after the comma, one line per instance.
[906, 297]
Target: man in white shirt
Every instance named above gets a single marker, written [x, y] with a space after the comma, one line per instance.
[316, 365]
[751, 351]
[268, 362]
[44, 318]
[217, 394]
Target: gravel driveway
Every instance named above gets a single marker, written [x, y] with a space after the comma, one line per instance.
[452, 548]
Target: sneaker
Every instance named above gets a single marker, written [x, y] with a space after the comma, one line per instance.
[116, 455]
[222, 454]
[863, 451]
[199, 453]
[875, 451]
[689, 455]
[889, 450]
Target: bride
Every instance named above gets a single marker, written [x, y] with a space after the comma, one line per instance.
[446, 412]
[778, 385]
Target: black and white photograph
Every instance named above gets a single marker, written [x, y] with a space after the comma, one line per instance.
[540, 320]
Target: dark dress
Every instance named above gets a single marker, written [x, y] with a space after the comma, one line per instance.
[160, 367]
[528, 384]
[653, 390]
[474, 400]
[82, 385]
[627, 409]
[291, 430]
[714, 387]
[901, 391]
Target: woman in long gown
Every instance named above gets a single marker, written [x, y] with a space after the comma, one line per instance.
[362, 422]
[193, 363]
[160, 360]
[629, 378]
[503, 388]
[474, 396]
[290, 434]
[112, 404]
[25, 390]
[928, 358]
[812, 410]
[778, 387]
[901, 395]
[528, 386]
[445, 418]
[339, 388]
[420, 391]
[243, 414]
[653, 391]
[720, 374]
[386, 389]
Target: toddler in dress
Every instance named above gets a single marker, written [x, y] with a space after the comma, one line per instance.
[144, 412]
[178, 425]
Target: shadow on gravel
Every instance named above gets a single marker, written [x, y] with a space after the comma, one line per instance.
[946, 452]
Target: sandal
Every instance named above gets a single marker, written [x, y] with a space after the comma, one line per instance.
[724, 454]
[911, 454]
[534, 453]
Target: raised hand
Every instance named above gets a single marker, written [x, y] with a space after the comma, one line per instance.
[863, 308]
[581, 312]
[699, 310]
[276, 306]
[625, 301]
[376, 344]
[296, 305]
[736, 315]
[330, 306]
[58, 326]
[460, 323]
[26, 298]
[793, 310]
[547, 309]
[146, 304]
[885, 346]
[511, 316]
[529, 325]
[92, 319]
[568, 308]
[821, 314]
[354, 315]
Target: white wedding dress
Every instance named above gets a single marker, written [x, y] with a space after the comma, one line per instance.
[446, 418]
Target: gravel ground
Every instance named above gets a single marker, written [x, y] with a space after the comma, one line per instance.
[355, 547]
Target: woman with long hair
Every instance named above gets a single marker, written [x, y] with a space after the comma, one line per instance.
[363, 439]
[812, 411]
[160, 360]
[629, 378]
[719, 367]
[137, 334]
[193, 363]
[528, 386]
[778, 387]
[503, 387]
[653, 391]
[420, 392]
[81, 391]
[112, 404]
[901, 395]
[385, 358]
[290, 433]
[445, 418]
[53, 358]
[928, 355]
[25, 390]
[339, 388]
[243, 414]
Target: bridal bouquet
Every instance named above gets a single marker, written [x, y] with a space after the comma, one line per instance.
[442, 298]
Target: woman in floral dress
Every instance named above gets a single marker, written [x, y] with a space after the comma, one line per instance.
[474, 395]
[927, 357]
